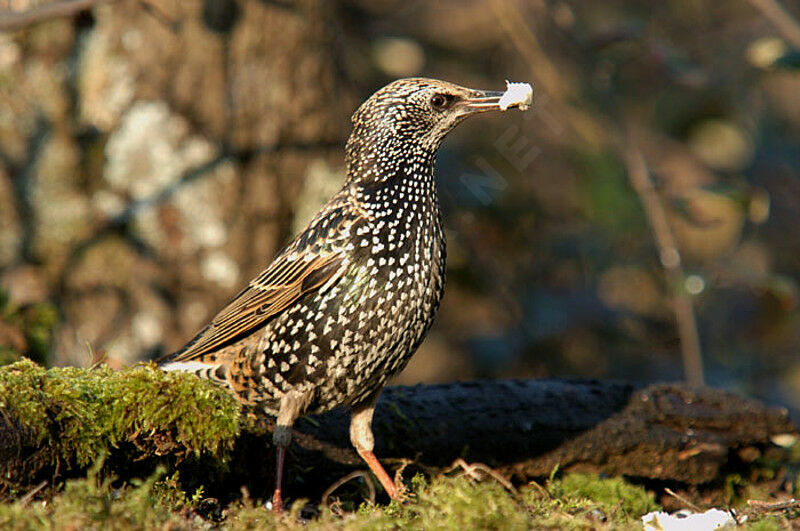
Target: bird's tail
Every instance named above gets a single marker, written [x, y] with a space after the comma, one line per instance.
[208, 370]
[217, 372]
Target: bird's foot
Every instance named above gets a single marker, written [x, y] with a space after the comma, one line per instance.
[277, 501]
[387, 483]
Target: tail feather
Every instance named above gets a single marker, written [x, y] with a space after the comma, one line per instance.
[209, 371]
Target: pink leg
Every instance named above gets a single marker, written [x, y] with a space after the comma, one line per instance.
[292, 404]
[277, 500]
[364, 442]
[380, 473]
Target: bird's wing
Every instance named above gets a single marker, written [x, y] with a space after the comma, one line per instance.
[288, 278]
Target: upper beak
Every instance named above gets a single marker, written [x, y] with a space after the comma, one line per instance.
[519, 95]
[483, 100]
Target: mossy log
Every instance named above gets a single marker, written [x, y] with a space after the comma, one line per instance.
[57, 423]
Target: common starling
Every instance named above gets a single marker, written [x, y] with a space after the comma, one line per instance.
[344, 306]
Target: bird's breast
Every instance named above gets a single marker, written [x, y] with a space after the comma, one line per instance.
[344, 342]
[389, 298]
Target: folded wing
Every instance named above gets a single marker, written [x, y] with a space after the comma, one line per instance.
[286, 280]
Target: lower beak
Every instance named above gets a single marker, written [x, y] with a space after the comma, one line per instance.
[484, 100]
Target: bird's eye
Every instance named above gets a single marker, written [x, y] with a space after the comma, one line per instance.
[441, 101]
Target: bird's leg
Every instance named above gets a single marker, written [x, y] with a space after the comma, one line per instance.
[363, 441]
[291, 406]
[277, 500]
[380, 473]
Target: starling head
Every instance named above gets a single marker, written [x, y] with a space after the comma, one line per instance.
[405, 122]
[412, 116]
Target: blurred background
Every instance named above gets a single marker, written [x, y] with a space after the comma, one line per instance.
[640, 223]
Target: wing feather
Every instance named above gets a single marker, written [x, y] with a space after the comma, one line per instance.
[290, 277]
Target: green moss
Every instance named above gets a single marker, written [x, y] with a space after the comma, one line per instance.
[613, 496]
[446, 503]
[581, 501]
[456, 503]
[89, 503]
[22, 396]
[83, 413]
[768, 523]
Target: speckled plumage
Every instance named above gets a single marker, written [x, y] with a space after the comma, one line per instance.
[344, 306]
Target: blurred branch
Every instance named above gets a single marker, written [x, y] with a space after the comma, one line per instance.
[788, 27]
[12, 21]
[589, 127]
[528, 45]
[670, 258]
[160, 15]
[22, 178]
[555, 85]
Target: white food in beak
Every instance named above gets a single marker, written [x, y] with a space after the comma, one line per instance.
[517, 94]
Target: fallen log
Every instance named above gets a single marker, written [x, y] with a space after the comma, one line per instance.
[522, 428]
[525, 428]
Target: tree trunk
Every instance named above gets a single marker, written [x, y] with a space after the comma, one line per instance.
[157, 156]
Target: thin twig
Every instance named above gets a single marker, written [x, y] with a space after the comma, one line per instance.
[683, 500]
[336, 508]
[29, 496]
[471, 470]
[527, 43]
[642, 184]
[758, 506]
[352, 475]
[12, 21]
[560, 90]
[402, 491]
[541, 489]
[160, 15]
[783, 21]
